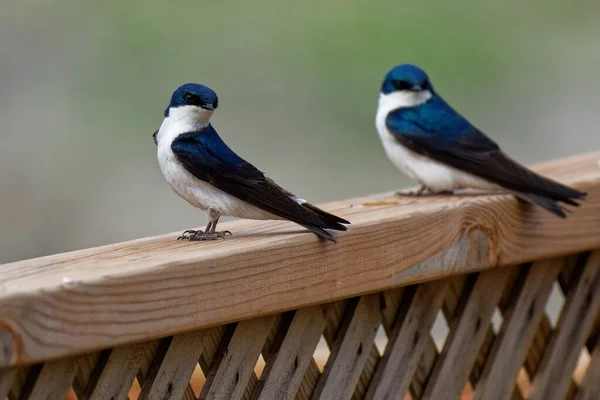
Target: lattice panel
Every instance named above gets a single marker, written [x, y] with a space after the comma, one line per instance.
[500, 343]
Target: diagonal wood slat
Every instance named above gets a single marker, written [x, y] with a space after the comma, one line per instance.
[406, 343]
[517, 332]
[590, 386]
[237, 361]
[283, 375]
[576, 322]
[119, 373]
[7, 377]
[466, 336]
[55, 379]
[350, 349]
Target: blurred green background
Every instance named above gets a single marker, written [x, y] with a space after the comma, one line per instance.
[83, 86]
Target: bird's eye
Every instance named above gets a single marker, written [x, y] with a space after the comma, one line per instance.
[401, 85]
[191, 98]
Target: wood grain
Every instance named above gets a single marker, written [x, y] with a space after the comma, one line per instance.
[98, 298]
[467, 333]
[117, 376]
[407, 342]
[576, 321]
[285, 371]
[237, 361]
[172, 378]
[350, 350]
[518, 330]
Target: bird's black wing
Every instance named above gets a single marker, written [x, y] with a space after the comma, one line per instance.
[469, 150]
[209, 159]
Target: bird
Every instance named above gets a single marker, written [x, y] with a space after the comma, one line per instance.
[434, 145]
[205, 172]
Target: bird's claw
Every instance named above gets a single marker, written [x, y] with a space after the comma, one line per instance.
[196, 236]
[187, 235]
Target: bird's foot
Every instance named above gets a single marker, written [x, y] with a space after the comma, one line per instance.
[424, 191]
[186, 235]
[195, 236]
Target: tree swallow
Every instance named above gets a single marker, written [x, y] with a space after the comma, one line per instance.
[437, 147]
[206, 173]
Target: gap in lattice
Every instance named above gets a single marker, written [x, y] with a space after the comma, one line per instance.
[497, 321]
[322, 353]
[440, 330]
[260, 366]
[555, 303]
[524, 383]
[135, 390]
[381, 340]
[197, 381]
[467, 392]
[582, 365]
[408, 396]
[71, 395]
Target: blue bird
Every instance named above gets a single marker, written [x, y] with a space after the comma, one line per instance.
[205, 172]
[437, 147]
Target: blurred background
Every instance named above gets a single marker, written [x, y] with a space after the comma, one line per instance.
[83, 86]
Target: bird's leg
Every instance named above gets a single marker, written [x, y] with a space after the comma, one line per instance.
[424, 191]
[209, 233]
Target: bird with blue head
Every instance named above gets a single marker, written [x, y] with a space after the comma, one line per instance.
[437, 147]
[205, 172]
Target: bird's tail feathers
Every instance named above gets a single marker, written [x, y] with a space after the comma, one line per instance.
[330, 221]
[320, 232]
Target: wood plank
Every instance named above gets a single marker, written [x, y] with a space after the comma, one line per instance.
[117, 377]
[467, 333]
[407, 342]
[517, 333]
[55, 380]
[575, 324]
[173, 375]
[350, 349]
[590, 387]
[7, 378]
[152, 287]
[237, 361]
[285, 371]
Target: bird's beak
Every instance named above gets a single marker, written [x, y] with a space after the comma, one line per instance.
[154, 138]
[416, 88]
[208, 106]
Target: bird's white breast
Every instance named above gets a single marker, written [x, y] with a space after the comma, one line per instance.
[198, 193]
[424, 170]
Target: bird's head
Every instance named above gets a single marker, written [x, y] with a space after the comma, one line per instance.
[193, 102]
[408, 85]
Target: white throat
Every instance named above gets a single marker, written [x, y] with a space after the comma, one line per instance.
[183, 119]
[401, 99]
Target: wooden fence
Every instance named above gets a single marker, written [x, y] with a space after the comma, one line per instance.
[273, 313]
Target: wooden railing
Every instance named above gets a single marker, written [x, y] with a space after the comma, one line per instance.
[274, 313]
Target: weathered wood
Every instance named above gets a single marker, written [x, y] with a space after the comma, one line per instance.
[284, 373]
[518, 330]
[590, 387]
[172, 378]
[119, 372]
[350, 349]
[576, 322]
[467, 333]
[237, 361]
[153, 287]
[7, 377]
[54, 380]
[407, 342]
